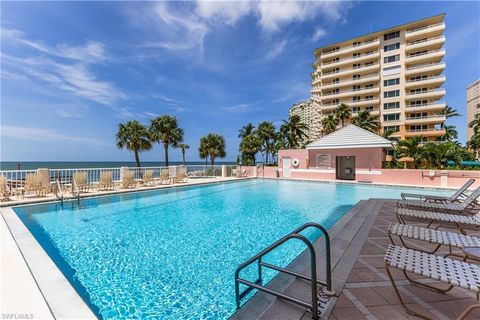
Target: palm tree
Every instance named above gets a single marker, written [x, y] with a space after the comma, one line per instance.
[366, 121]
[246, 130]
[475, 123]
[133, 136]
[294, 131]
[387, 133]
[329, 123]
[183, 147]
[437, 154]
[448, 112]
[343, 113]
[165, 130]
[266, 133]
[409, 149]
[451, 133]
[203, 149]
[214, 145]
[249, 146]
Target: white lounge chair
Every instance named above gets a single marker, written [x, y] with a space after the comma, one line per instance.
[460, 222]
[452, 272]
[127, 180]
[147, 178]
[80, 180]
[464, 207]
[4, 192]
[432, 236]
[164, 176]
[106, 181]
[458, 195]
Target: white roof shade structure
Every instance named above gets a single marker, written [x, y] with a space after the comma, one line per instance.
[349, 137]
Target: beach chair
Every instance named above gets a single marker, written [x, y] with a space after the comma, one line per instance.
[467, 206]
[106, 181]
[460, 222]
[458, 195]
[32, 183]
[127, 180]
[80, 182]
[44, 185]
[182, 176]
[452, 272]
[4, 192]
[436, 237]
[164, 176]
[147, 178]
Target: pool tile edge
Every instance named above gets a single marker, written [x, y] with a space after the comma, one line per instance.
[62, 299]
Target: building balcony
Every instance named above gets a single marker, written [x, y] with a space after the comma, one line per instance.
[425, 119]
[372, 113]
[347, 72]
[374, 55]
[433, 55]
[350, 82]
[350, 49]
[425, 44]
[429, 94]
[364, 102]
[430, 82]
[435, 68]
[350, 93]
[437, 106]
[425, 31]
[429, 132]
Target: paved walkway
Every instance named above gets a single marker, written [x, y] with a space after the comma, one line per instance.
[368, 293]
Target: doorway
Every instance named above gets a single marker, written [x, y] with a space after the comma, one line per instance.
[286, 163]
[346, 168]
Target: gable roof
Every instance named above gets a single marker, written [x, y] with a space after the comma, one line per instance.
[350, 136]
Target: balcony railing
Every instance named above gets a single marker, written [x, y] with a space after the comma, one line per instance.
[350, 69]
[350, 80]
[349, 59]
[424, 40]
[426, 117]
[350, 47]
[425, 130]
[425, 79]
[425, 65]
[426, 105]
[425, 91]
[359, 91]
[425, 27]
[418, 54]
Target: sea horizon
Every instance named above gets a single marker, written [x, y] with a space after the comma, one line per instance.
[30, 165]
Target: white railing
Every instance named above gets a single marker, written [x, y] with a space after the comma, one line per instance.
[350, 47]
[439, 90]
[424, 40]
[426, 65]
[425, 79]
[64, 177]
[439, 103]
[425, 27]
[426, 117]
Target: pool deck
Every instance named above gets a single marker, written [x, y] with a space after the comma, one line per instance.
[363, 289]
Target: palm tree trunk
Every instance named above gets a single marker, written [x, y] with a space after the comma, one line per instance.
[165, 148]
[212, 160]
[183, 156]
[266, 157]
[343, 122]
[137, 158]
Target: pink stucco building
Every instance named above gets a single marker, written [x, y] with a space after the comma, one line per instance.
[344, 154]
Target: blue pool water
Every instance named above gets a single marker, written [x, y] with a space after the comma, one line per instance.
[172, 254]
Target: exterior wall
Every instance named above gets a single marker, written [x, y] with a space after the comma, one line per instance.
[365, 158]
[300, 154]
[473, 105]
[364, 58]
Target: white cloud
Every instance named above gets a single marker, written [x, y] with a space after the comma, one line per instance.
[44, 135]
[276, 50]
[239, 108]
[228, 12]
[318, 34]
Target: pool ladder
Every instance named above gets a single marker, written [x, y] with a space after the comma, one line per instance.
[313, 305]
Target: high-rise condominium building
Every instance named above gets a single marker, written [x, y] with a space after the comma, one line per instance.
[310, 116]
[394, 73]
[473, 105]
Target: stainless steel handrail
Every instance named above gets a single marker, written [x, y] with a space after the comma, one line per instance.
[59, 188]
[313, 306]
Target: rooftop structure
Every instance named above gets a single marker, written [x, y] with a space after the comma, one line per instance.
[473, 105]
[394, 73]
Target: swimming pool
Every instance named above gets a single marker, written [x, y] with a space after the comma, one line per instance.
[172, 254]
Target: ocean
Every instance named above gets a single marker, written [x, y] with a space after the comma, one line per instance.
[29, 165]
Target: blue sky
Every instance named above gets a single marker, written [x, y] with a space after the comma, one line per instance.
[70, 72]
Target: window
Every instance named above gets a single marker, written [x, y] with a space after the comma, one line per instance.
[393, 93]
[391, 128]
[418, 103]
[418, 115]
[391, 70]
[369, 98]
[371, 63]
[391, 47]
[356, 44]
[337, 90]
[356, 76]
[418, 78]
[356, 55]
[356, 98]
[418, 127]
[336, 80]
[368, 86]
[391, 105]
[356, 65]
[390, 59]
[369, 108]
[420, 90]
[324, 161]
[355, 109]
[391, 117]
[335, 101]
[391, 82]
[391, 35]
[355, 88]
[418, 53]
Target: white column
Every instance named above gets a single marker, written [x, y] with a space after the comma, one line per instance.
[444, 178]
[224, 171]
[122, 172]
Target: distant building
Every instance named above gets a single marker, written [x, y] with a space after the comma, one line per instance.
[310, 116]
[473, 105]
[394, 73]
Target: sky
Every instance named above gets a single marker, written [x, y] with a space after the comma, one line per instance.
[72, 71]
